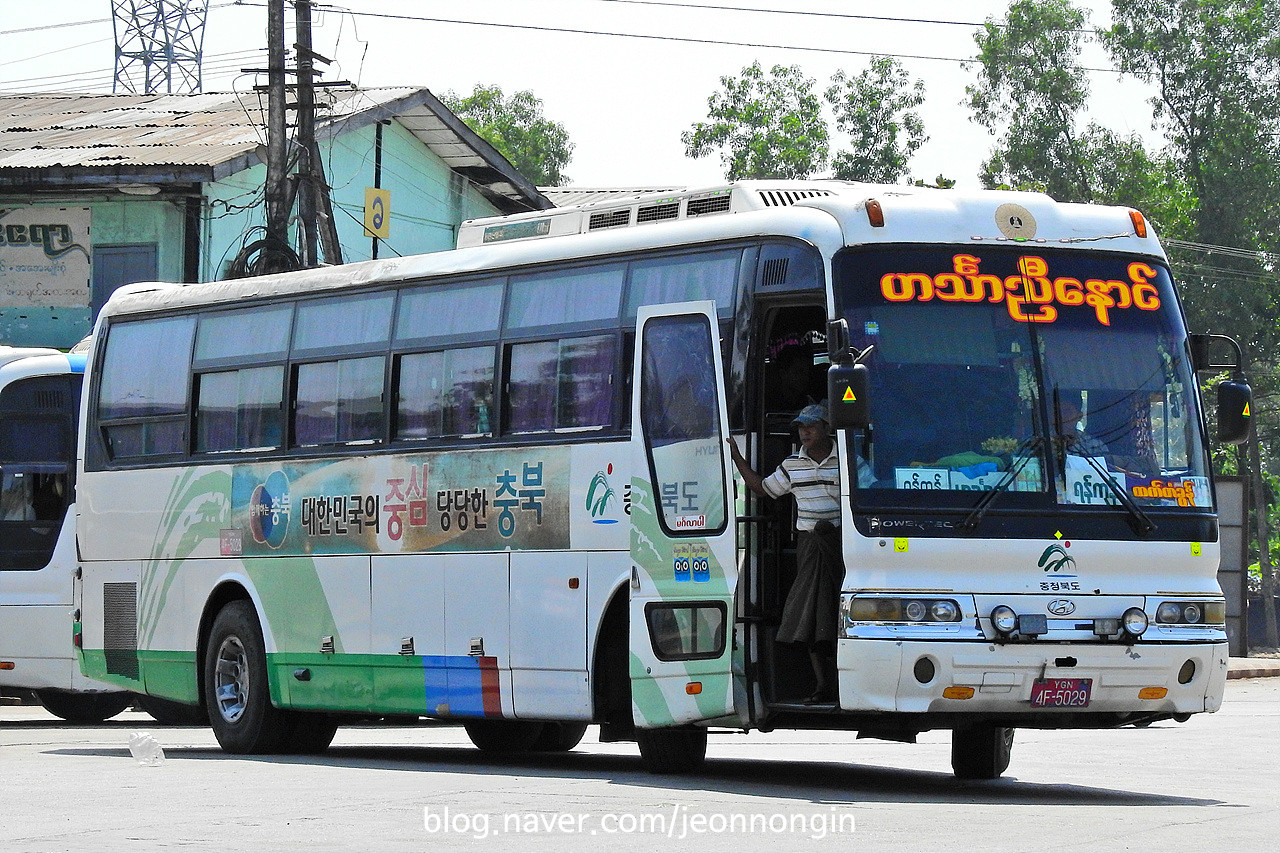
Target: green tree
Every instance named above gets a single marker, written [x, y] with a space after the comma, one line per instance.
[877, 109]
[538, 147]
[764, 126]
[1215, 65]
[1029, 91]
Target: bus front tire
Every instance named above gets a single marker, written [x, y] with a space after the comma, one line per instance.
[673, 750]
[981, 752]
[235, 684]
[503, 735]
[83, 707]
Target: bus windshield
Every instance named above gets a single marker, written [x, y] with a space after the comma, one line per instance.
[1040, 372]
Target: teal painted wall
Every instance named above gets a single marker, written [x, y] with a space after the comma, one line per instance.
[428, 201]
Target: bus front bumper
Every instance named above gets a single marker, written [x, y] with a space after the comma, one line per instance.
[963, 678]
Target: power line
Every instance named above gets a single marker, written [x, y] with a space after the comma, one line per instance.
[668, 38]
[641, 36]
[808, 14]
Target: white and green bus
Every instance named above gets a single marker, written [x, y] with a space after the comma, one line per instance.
[40, 392]
[492, 485]
[39, 401]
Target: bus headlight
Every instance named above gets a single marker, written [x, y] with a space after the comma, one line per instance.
[1134, 621]
[1192, 613]
[881, 609]
[945, 610]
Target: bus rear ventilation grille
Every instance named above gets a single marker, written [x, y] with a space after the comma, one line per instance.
[612, 219]
[120, 628]
[658, 212]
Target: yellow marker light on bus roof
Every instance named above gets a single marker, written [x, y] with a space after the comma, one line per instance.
[1139, 223]
[954, 692]
[693, 688]
[1153, 693]
[6, 664]
[875, 213]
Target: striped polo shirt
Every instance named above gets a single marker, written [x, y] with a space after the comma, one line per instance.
[815, 485]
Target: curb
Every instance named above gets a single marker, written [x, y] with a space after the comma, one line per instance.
[1253, 668]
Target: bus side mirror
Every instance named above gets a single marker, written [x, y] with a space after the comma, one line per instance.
[848, 396]
[1235, 409]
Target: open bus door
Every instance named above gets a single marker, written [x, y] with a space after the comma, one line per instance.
[683, 547]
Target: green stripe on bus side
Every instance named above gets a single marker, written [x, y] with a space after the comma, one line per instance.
[93, 663]
[378, 684]
[170, 675]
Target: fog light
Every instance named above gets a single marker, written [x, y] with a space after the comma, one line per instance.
[924, 670]
[1187, 672]
[1003, 619]
[1134, 621]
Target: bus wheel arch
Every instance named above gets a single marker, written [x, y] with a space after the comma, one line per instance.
[235, 684]
[610, 666]
[220, 597]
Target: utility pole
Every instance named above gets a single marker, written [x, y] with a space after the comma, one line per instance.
[277, 190]
[314, 205]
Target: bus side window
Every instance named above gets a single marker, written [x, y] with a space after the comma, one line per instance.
[339, 402]
[561, 384]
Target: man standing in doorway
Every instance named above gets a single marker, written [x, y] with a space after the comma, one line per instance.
[812, 476]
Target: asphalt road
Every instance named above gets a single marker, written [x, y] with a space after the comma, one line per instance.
[1210, 784]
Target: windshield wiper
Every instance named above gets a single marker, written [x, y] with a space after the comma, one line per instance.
[1023, 455]
[1141, 522]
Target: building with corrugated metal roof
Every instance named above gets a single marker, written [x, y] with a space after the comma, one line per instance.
[100, 190]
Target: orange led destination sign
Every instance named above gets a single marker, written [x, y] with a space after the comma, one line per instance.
[1031, 296]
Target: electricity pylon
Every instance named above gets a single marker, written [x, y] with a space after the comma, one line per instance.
[159, 45]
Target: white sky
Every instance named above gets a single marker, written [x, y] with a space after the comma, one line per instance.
[623, 101]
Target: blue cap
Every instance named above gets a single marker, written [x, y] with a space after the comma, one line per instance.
[812, 414]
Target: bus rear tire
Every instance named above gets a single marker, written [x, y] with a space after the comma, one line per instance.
[172, 713]
[235, 684]
[981, 752]
[559, 737]
[674, 750]
[83, 707]
[504, 735]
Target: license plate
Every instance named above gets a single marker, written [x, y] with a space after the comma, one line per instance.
[1061, 692]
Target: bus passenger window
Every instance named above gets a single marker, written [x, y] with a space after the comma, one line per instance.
[239, 410]
[339, 402]
[564, 384]
[447, 393]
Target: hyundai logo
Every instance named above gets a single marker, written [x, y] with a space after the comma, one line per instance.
[1061, 607]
